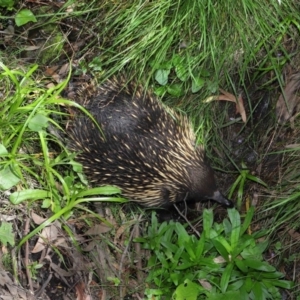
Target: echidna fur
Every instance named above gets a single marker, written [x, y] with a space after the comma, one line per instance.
[145, 149]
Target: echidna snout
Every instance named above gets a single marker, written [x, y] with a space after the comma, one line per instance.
[203, 185]
[145, 149]
[220, 198]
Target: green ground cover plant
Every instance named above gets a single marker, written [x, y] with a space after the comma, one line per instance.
[224, 263]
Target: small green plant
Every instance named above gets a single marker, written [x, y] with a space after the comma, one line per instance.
[224, 263]
[181, 66]
[8, 4]
[23, 16]
[239, 184]
[33, 268]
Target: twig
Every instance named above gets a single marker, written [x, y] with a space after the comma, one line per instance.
[26, 260]
[188, 222]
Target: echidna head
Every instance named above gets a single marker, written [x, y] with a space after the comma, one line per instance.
[203, 186]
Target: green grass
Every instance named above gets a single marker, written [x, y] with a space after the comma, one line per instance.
[35, 164]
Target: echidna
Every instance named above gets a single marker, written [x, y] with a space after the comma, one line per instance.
[145, 149]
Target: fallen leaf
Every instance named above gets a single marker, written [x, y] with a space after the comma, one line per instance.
[98, 229]
[294, 234]
[32, 48]
[292, 146]
[225, 96]
[289, 100]
[51, 70]
[121, 230]
[47, 235]
[37, 219]
[205, 284]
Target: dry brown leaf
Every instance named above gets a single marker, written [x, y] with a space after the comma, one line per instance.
[64, 70]
[37, 219]
[122, 229]
[32, 48]
[205, 284]
[8, 33]
[12, 290]
[219, 260]
[98, 229]
[51, 70]
[240, 108]
[225, 96]
[61, 272]
[47, 235]
[289, 100]
[292, 146]
[294, 234]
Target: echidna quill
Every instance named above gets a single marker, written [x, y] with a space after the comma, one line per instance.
[145, 149]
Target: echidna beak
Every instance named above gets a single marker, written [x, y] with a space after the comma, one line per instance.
[218, 197]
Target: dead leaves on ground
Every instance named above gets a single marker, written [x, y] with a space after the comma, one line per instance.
[226, 96]
[288, 102]
[107, 245]
[11, 290]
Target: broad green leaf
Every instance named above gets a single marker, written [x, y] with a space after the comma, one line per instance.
[235, 220]
[197, 84]
[184, 265]
[46, 203]
[180, 67]
[235, 285]
[285, 284]
[181, 71]
[259, 265]
[175, 277]
[227, 227]
[187, 291]
[161, 257]
[170, 246]
[8, 4]
[200, 246]
[3, 150]
[226, 277]
[175, 89]
[272, 275]
[183, 236]
[38, 123]
[221, 249]
[161, 76]
[230, 295]
[248, 284]
[240, 264]
[30, 194]
[247, 220]
[6, 234]
[160, 91]
[208, 220]
[8, 179]
[177, 257]
[258, 291]
[102, 190]
[24, 16]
